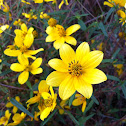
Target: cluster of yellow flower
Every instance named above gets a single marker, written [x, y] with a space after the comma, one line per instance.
[53, 2]
[75, 71]
[121, 8]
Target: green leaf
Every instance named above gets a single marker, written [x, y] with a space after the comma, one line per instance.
[21, 107]
[72, 118]
[124, 88]
[101, 26]
[94, 99]
[109, 13]
[84, 119]
[115, 54]
[113, 78]
[71, 99]
[58, 12]
[89, 106]
[82, 24]
[52, 114]
[107, 61]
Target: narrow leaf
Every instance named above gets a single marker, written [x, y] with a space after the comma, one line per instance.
[94, 99]
[72, 118]
[113, 78]
[21, 107]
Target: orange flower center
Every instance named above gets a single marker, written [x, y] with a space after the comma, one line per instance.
[48, 102]
[28, 68]
[75, 68]
[61, 31]
[23, 49]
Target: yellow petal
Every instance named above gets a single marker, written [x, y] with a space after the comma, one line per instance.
[49, 29]
[7, 114]
[55, 78]
[58, 65]
[82, 50]
[94, 76]
[45, 113]
[72, 29]
[43, 87]
[45, 95]
[108, 4]
[10, 52]
[36, 63]
[16, 117]
[67, 54]
[66, 88]
[52, 92]
[14, 109]
[82, 87]
[71, 40]
[92, 59]
[77, 102]
[33, 52]
[36, 71]
[17, 98]
[61, 111]
[60, 5]
[23, 77]
[23, 60]
[50, 38]
[24, 27]
[84, 106]
[9, 104]
[17, 67]
[34, 99]
[58, 43]
[28, 40]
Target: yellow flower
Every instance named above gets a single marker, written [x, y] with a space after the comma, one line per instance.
[99, 47]
[122, 35]
[63, 104]
[112, 3]
[49, 103]
[38, 1]
[61, 35]
[29, 16]
[9, 104]
[0, 60]
[44, 15]
[79, 100]
[42, 87]
[35, 34]
[62, 2]
[3, 28]
[17, 118]
[1, 3]
[119, 68]
[18, 22]
[52, 22]
[5, 7]
[23, 40]
[25, 2]
[76, 71]
[122, 15]
[24, 67]
[4, 120]
[41, 1]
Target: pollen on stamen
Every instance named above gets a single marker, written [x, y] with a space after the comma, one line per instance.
[75, 69]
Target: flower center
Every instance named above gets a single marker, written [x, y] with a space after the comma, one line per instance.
[48, 102]
[61, 31]
[23, 49]
[28, 68]
[75, 68]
